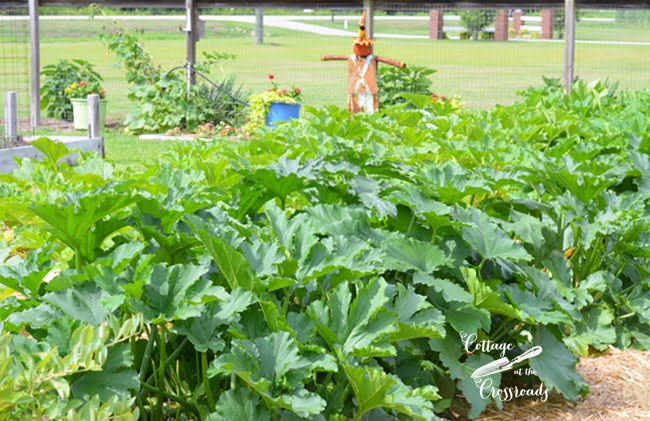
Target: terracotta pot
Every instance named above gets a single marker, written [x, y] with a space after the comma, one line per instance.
[362, 50]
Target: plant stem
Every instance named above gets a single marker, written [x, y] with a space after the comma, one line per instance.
[143, 415]
[182, 402]
[480, 269]
[328, 377]
[144, 366]
[77, 259]
[172, 356]
[206, 380]
[161, 371]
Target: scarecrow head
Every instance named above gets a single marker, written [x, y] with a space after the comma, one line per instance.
[362, 45]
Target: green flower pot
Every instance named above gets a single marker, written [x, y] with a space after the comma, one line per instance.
[80, 113]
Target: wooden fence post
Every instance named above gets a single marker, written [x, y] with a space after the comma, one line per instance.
[259, 26]
[93, 116]
[11, 116]
[569, 42]
[191, 31]
[369, 6]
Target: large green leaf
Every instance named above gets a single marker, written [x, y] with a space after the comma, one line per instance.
[82, 302]
[233, 265]
[205, 330]
[272, 363]
[26, 275]
[488, 239]
[368, 191]
[340, 252]
[53, 151]
[485, 297]
[239, 405]
[406, 254]
[174, 293]
[71, 221]
[556, 366]
[596, 331]
[116, 378]
[375, 389]
[416, 316]
[360, 325]
[450, 353]
[449, 290]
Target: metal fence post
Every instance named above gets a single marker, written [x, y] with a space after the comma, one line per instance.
[11, 116]
[93, 116]
[35, 64]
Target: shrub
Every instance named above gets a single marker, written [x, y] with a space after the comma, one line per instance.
[393, 82]
[487, 35]
[163, 100]
[476, 20]
[55, 101]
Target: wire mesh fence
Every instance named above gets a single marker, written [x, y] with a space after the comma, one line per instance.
[611, 44]
[14, 61]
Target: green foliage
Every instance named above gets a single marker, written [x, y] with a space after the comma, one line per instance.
[260, 104]
[163, 101]
[476, 20]
[329, 268]
[559, 21]
[393, 82]
[55, 100]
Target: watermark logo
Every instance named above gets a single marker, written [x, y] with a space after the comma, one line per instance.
[481, 374]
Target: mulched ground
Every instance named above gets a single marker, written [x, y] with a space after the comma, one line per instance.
[56, 125]
[24, 125]
[620, 390]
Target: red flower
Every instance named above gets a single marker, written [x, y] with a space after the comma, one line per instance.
[298, 90]
[433, 95]
[82, 83]
[271, 77]
[442, 97]
[282, 91]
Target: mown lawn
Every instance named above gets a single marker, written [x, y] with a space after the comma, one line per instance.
[482, 73]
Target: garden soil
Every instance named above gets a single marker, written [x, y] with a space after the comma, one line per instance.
[619, 382]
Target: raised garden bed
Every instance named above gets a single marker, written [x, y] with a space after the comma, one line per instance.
[82, 143]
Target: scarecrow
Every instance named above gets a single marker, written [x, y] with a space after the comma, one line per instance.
[362, 72]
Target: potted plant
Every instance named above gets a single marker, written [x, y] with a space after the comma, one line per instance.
[78, 93]
[275, 105]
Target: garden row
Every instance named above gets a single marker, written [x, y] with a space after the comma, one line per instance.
[330, 268]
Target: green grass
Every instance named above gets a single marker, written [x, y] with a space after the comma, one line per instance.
[482, 73]
[128, 150]
[585, 30]
[121, 149]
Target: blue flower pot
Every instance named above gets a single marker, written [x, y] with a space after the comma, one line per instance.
[282, 112]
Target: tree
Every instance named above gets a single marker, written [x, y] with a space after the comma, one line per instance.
[559, 20]
[476, 20]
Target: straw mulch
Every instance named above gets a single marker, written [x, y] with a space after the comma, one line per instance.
[619, 382]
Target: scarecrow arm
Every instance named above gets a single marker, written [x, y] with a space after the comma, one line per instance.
[395, 63]
[328, 58]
